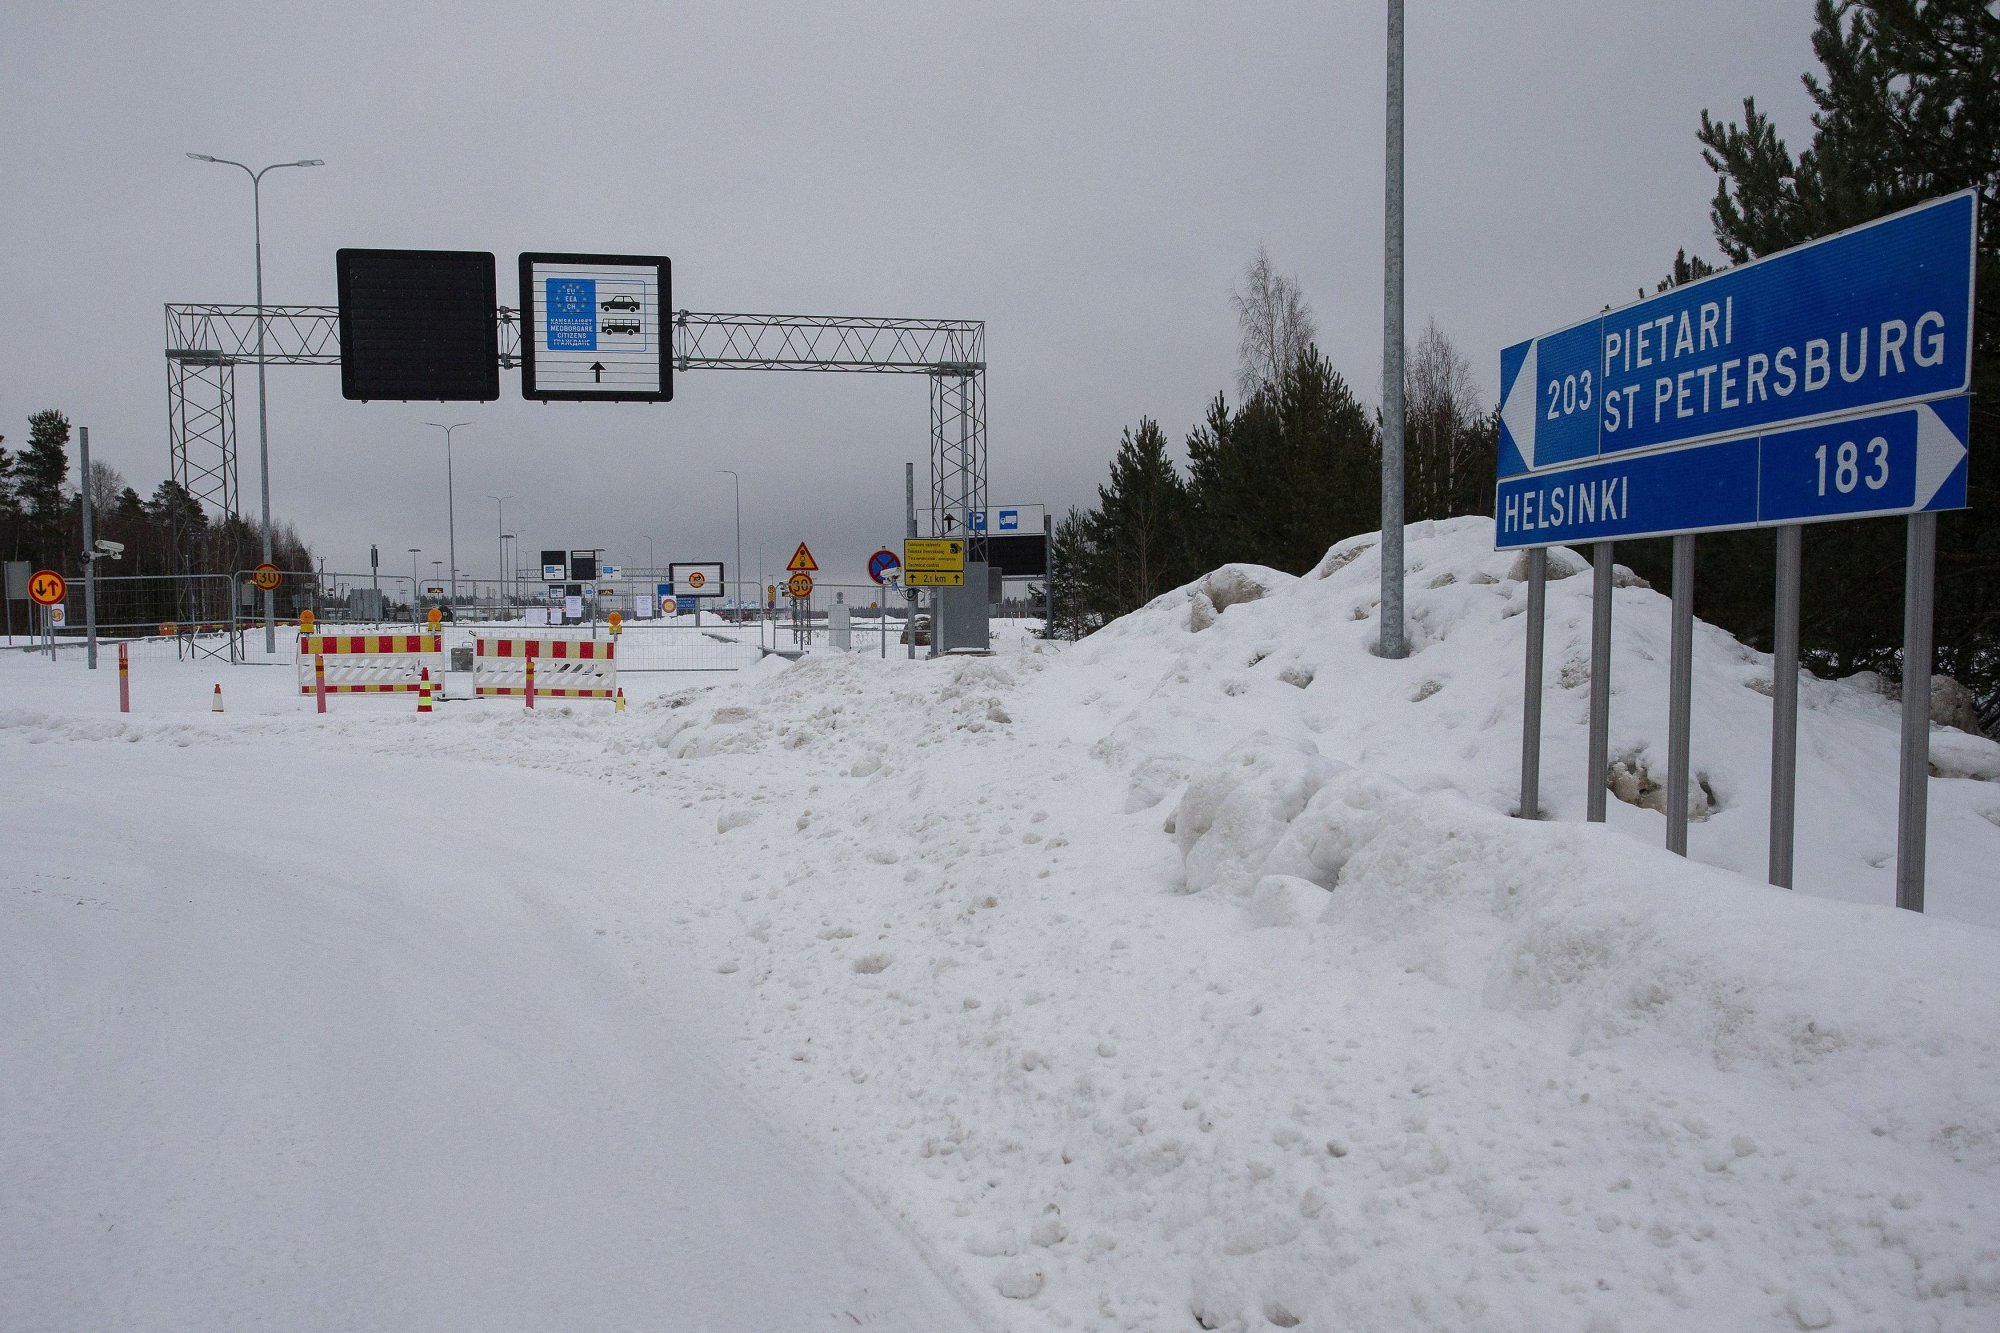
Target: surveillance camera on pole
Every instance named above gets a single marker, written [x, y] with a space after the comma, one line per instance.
[109, 550]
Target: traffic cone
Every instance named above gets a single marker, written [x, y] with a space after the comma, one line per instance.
[621, 700]
[215, 704]
[424, 691]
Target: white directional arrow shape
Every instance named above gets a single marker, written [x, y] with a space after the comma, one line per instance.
[1517, 409]
[1938, 452]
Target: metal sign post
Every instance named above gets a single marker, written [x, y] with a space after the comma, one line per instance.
[1821, 383]
[89, 553]
[1597, 764]
[1913, 795]
[1531, 696]
[1785, 702]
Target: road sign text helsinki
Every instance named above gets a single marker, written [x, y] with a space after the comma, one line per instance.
[1866, 319]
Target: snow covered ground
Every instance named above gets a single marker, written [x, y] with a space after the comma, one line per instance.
[1192, 976]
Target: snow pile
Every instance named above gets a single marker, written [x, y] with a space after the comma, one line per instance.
[1197, 975]
[1215, 988]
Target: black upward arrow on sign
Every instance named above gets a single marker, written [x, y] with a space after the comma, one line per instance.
[597, 371]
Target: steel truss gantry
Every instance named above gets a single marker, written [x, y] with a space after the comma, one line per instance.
[206, 342]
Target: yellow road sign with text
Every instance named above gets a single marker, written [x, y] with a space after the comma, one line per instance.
[933, 578]
[942, 555]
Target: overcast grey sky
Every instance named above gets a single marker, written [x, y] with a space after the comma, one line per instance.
[1087, 179]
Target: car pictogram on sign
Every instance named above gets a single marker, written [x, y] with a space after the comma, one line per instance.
[630, 303]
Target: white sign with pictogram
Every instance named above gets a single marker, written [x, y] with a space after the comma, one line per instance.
[697, 580]
[596, 327]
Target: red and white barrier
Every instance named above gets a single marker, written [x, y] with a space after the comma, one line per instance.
[564, 668]
[369, 663]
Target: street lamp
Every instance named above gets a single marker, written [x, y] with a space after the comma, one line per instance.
[450, 504]
[263, 415]
[506, 570]
[415, 582]
[738, 481]
[652, 570]
[502, 500]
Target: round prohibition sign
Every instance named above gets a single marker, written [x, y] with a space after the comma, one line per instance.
[47, 587]
[265, 576]
[800, 585]
[697, 579]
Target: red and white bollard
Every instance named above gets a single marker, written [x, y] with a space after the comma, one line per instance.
[319, 679]
[215, 701]
[531, 675]
[124, 678]
[424, 691]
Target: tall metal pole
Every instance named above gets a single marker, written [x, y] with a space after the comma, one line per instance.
[416, 582]
[1680, 694]
[1598, 763]
[1913, 797]
[89, 554]
[501, 527]
[1531, 686]
[450, 508]
[910, 530]
[1785, 703]
[738, 484]
[1392, 352]
[263, 410]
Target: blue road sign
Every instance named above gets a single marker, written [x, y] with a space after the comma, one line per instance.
[882, 563]
[1903, 461]
[570, 315]
[1010, 520]
[1869, 318]
[683, 605]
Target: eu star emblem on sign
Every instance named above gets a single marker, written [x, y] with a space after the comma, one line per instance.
[802, 561]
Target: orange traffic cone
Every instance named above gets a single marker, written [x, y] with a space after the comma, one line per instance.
[621, 700]
[424, 691]
[215, 704]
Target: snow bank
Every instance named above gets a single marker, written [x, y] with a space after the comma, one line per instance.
[1198, 976]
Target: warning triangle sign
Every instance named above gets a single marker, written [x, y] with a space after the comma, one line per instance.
[802, 561]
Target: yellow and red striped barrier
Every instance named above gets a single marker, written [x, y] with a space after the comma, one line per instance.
[563, 668]
[369, 663]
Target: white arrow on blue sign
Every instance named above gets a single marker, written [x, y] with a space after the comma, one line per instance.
[1869, 318]
[1903, 461]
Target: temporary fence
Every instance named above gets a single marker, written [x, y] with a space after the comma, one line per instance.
[220, 616]
[370, 663]
[562, 668]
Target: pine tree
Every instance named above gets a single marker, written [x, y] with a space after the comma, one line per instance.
[40, 476]
[1140, 529]
[1907, 109]
[1075, 609]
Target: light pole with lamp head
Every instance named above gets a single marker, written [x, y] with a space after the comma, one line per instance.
[502, 500]
[263, 415]
[450, 506]
[738, 484]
